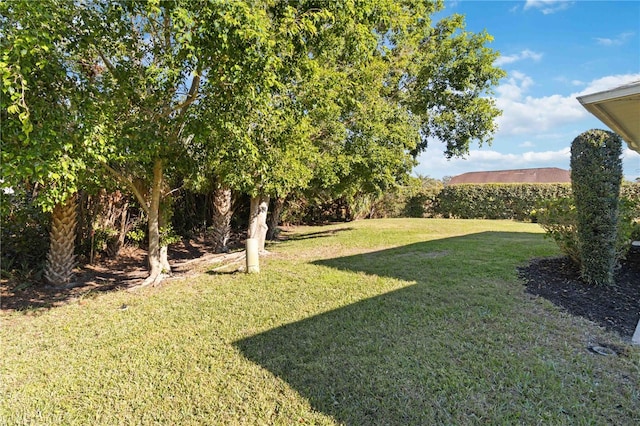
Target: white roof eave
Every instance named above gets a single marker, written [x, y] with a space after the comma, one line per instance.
[625, 120]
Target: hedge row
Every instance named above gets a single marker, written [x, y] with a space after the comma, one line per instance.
[506, 201]
[496, 201]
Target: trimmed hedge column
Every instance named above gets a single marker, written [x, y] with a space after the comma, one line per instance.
[596, 175]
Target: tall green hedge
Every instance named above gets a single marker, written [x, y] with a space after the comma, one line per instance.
[596, 176]
[496, 201]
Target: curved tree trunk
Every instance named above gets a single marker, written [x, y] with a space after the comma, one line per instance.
[155, 263]
[222, 213]
[258, 220]
[61, 258]
[274, 218]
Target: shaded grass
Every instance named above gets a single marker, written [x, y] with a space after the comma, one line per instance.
[373, 322]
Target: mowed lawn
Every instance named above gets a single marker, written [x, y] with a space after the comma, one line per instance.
[403, 321]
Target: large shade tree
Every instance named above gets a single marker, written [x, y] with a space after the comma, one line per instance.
[376, 81]
[45, 105]
[421, 81]
[270, 94]
[156, 61]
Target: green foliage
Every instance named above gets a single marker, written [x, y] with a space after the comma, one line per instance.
[414, 199]
[559, 218]
[137, 235]
[168, 236]
[496, 201]
[453, 74]
[23, 233]
[596, 176]
[45, 100]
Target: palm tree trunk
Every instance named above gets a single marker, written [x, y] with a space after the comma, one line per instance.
[61, 258]
[222, 213]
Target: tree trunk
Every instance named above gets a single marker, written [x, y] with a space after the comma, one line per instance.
[164, 223]
[274, 218]
[122, 233]
[61, 258]
[222, 213]
[258, 220]
[119, 223]
[155, 263]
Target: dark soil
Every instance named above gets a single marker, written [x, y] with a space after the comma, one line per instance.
[617, 307]
[127, 270]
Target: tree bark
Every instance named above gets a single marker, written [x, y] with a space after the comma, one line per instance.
[258, 220]
[164, 221]
[274, 218]
[61, 258]
[122, 233]
[155, 263]
[222, 213]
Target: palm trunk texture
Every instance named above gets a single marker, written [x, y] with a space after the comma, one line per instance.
[61, 258]
[222, 212]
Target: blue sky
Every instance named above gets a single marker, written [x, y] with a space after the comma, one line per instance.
[552, 51]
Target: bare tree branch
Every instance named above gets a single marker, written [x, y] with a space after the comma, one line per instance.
[129, 183]
[193, 93]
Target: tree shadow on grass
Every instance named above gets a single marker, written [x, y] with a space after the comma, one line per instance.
[312, 235]
[411, 356]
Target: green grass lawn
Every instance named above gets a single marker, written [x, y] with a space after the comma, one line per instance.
[404, 321]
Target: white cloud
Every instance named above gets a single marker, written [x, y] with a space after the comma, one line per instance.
[530, 115]
[433, 163]
[548, 6]
[608, 82]
[631, 164]
[525, 54]
[617, 41]
[553, 119]
[515, 86]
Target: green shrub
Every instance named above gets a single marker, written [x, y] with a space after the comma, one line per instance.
[559, 218]
[596, 176]
[496, 201]
[24, 235]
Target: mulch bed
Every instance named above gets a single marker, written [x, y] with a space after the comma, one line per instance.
[127, 270]
[617, 307]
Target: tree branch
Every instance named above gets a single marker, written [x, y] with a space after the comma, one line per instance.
[107, 62]
[129, 183]
[192, 95]
[167, 31]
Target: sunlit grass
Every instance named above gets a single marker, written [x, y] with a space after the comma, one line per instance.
[372, 322]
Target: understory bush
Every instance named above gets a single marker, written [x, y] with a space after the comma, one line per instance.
[415, 199]
[559, 218]
[24, 235]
